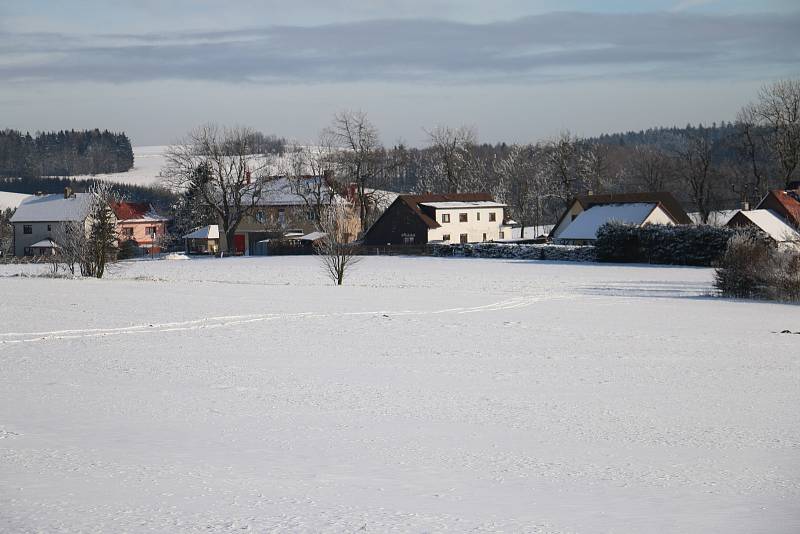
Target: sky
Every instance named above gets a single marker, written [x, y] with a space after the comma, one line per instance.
[515, 70]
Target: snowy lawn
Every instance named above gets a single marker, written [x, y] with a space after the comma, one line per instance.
[428, 394]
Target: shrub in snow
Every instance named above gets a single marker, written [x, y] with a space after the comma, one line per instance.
[751, 268]
[516, 251]
[670, 245]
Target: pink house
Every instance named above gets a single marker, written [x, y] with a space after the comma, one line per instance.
[138, 221]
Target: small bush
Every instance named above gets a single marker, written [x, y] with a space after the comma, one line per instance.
[751, 268]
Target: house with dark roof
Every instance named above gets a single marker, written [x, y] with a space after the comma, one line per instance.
[785, 203]
[445, 218]
[140, 223]
[653, 208]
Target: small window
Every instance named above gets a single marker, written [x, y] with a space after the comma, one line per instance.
[408, 239]
[151, 231]
[260, 217]
[49, 228]
[478, 216]
[484, 237]
[27, 229]
[492, 217]
[464, 238]
[502, 235]
[462, 217]
[445, 217]
[446, 237]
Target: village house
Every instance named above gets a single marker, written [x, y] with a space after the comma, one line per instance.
[39, 219]
[446, 218]
[770, 223]
[585, 215]
[288, 208]
[140, 223]
[784, 203]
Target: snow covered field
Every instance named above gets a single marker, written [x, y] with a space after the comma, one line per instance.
[429, 394]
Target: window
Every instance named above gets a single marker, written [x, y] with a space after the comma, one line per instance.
[408, 239]
[484, 237]
[464, 238]
[446, 237]
[462, 217]
[492, 217]
[260, 217]
[445, 217]
[150, 230]
[502, 235]
[27, 229]
[49, 229]
[282, 216]
[127, 232]
[478, 216]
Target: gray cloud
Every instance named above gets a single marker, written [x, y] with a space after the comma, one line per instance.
[547, 47]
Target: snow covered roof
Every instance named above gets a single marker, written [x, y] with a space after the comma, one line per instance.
[11, 200]
[206, 232]
[135, 212]
[586, 225]
[772, 224]
[44, 243]
[46, 208]
[313, 236]
[283, 191]
[462, 204]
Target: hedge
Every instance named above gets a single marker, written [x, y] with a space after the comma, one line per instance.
[670, 245]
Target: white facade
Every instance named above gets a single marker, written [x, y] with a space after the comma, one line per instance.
[466, 222]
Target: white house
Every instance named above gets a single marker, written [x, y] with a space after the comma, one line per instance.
[583, 229]
[38, 218]
[448, 218]
[772, 224]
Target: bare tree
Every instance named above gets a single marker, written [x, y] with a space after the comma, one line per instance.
[334, 248]
[452, 159]
[72, 240]
[695, 170]
[360, 158]
[524, 185]
[650, 168]
[222, 166]
[568, 165]
[311, 176]
[777, 112]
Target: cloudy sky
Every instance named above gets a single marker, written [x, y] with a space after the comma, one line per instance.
[517, 70]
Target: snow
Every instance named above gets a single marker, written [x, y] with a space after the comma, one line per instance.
[586, 225]
[530, 232]
[425, 395]
[462, 204]
[773, 225]
[10, 200]
[52, 208]
[44, 243]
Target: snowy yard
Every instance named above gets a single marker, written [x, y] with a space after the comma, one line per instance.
[428, 394]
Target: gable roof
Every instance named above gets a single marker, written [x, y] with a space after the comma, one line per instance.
[414, 202]
[768, 222]
[587, 223]
[53, 208]
[133, 211]
[668, 203]
[206, 232]
[788, 202]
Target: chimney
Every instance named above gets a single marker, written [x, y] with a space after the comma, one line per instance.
[68, 192]
[745, 206]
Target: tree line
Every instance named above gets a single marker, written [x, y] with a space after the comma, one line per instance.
[64, 153]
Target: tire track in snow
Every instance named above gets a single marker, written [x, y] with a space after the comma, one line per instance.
[235, 320]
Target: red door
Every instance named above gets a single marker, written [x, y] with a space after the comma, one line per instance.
[239, 243]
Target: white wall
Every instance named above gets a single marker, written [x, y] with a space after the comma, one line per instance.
[659, 216]
[474, 228]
